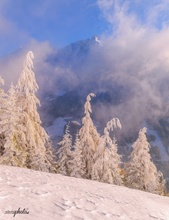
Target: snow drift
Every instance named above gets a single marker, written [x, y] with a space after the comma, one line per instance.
[39, 195]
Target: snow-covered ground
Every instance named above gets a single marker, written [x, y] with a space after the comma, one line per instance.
[47, 196]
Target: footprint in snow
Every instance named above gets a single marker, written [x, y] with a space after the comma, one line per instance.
[4, 196]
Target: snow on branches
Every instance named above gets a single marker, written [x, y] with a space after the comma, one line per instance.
[25, 143]
[107, 160]
[140, 171]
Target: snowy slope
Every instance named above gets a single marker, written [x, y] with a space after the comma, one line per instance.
[53, 196]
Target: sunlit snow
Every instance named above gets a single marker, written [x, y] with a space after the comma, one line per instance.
[47, 196]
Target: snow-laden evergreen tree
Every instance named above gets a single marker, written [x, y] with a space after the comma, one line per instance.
[107, 160]
[89, 138]
[140, 171]
[40, 155]
[3, 98]
[77, 165]
[64, 153]
[13, 153]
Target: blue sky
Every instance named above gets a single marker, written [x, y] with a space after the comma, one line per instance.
[57, 21]
[61, 22]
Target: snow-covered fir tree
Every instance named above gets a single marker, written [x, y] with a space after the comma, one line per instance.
[140, 171]
[64, 153]
[3, 97]
[40, 155]
[107, 160]
[13, 153]
[89, 138]
[77, 165]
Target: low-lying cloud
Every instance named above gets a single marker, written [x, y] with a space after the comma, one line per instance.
[136, 55]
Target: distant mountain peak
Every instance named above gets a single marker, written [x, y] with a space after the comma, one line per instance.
[75, 52]
[97, 40]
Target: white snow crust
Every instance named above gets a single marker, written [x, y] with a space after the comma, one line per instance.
[55, 197]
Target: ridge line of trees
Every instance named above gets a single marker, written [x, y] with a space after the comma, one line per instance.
[96, 158]
[25, 143]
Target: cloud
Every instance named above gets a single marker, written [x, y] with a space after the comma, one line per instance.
[51, 79]
[18, 41]
[11, 66]
[135, 56]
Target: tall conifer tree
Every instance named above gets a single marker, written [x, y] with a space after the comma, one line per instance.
[107, 160]
[89, 138]
[14, 153]
[77, 165]
[64, 153]
[39, 150]
[140, 171]
[3, 98]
